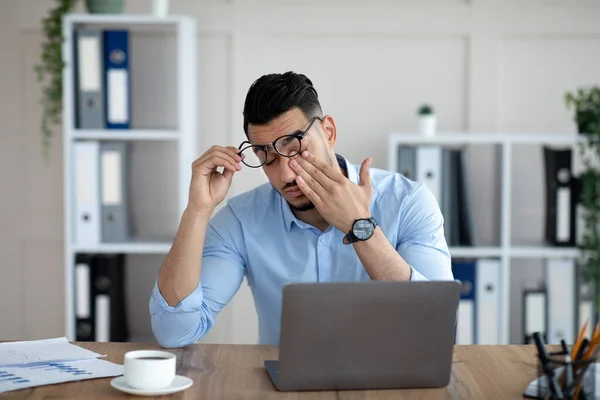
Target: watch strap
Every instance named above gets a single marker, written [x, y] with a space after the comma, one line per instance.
[350, 238]
[373, 222]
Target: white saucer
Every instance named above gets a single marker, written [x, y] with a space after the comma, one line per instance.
[179, 383]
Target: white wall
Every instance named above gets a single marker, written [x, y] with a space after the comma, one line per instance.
[488, 65]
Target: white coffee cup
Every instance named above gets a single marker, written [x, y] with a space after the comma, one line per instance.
[149, 369]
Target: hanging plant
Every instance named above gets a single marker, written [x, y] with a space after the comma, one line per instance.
[50, 69]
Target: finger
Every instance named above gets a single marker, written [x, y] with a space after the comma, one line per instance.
[300, 165]
[322, 166]
[228, 174]
[217, 150]
[365, 178]
[220, 160]
[234, 152]
[308, 191]
[227, 151]
[309, 179]
[227, 157]
[224, 161]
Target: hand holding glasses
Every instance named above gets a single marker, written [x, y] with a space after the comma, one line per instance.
[256, 155]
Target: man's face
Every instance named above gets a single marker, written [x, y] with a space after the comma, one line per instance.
[317, 141]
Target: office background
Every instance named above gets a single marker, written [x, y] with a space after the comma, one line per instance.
[485, 65]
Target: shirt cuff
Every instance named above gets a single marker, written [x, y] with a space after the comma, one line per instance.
[192, 301]
[416, 275]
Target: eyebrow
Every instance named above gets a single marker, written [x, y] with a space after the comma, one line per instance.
[270, 145]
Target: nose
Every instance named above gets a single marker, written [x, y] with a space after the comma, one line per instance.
[286, 172]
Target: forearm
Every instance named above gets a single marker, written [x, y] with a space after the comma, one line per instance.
[380, 258]
[180, 273]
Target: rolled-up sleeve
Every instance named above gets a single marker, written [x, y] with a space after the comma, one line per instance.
[223, 269]
[421, 241]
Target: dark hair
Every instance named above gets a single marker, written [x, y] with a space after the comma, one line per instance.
[273, 94]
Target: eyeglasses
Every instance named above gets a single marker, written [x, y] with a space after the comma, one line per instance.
[256, 155]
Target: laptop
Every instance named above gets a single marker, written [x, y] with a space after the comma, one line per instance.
[366, 335]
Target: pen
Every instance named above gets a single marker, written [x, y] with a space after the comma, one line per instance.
[577, 350]
[584, 344]
[553, 385]
[589, 354]
[593, 342]
[580, 338]
[583, 368]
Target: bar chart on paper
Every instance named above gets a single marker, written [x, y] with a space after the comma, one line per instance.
[45, 362]
[21, 377]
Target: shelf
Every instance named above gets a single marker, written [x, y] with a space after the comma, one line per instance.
[544, 252]
[163, 135]
[546, 138]
[127, 134]
[126, 248]
[459, 138]
[524, 251]
[475, 252]
[448, 138]
[123, 19]
[504, 181]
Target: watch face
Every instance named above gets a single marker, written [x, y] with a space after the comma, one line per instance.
[362, 229]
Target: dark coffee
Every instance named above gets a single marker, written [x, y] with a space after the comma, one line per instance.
[151, 358]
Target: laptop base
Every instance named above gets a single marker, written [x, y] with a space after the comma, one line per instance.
[272, 367]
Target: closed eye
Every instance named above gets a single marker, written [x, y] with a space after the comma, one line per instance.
[271, 158]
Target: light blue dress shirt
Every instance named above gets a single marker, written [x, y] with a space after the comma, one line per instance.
[257, 235]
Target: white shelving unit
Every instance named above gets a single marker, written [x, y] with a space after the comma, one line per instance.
[137, 134]
[506, 250]
[163, 113]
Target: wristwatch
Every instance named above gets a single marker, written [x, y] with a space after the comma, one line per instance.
[362, 229]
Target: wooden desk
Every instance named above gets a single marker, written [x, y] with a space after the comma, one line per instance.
[237, 372]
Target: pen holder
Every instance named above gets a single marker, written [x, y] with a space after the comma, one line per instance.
[559, 377]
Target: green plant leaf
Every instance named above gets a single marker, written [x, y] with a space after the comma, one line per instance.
[51, 65]
[585, 102]
[425, 109]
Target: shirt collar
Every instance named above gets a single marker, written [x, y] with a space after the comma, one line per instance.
[288, 215]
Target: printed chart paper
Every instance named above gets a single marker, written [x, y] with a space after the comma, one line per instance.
[44, 362]
[14, 378]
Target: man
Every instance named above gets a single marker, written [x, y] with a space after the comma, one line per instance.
[299, 227]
